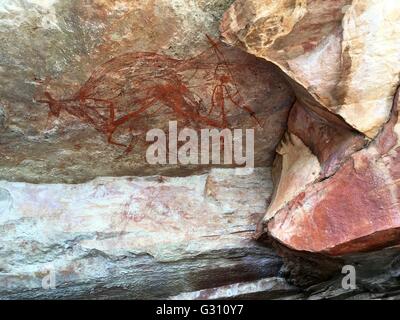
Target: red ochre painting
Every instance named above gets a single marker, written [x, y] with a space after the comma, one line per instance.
[135, 86]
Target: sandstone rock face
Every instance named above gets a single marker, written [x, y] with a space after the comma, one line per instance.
[82, 82]
[133, 237]
[314, 148]
[335, 190]
[86, 80]
[354, 210]
[344, 53]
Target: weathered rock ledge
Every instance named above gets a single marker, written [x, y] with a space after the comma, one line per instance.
[334, 200]
[336, 173]
[133, 237]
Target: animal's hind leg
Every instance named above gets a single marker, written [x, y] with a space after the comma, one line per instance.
[124, 119]
[111, 141]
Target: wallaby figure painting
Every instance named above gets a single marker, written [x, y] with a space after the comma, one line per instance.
[137, 85]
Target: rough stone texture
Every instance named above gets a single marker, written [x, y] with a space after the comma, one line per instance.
[131, 237]
[377, 278]
[86, 80]
[65, 68]
[73, 61]
[313, 149]
[334, 193]
[268, 288]
[298, 168]
[356, 209]
[306, 276]
[331, 141]
[344, 53]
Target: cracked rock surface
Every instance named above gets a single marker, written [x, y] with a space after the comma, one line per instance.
[133, 237]
[83, 215]
[342, 55]
[336, 176]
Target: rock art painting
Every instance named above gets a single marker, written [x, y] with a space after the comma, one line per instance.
[315, 213]
[135, 86]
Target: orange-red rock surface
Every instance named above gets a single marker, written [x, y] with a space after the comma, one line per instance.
[81, 82]
[356, 209]
[343, 54]
[336, 172]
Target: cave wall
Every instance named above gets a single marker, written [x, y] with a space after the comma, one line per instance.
[336, 172]
[67, 65]
[78, 200]
[82, 81]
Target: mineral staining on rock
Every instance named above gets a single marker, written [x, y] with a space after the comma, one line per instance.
[84, 82]
[108, 71]
[356, 209]
[344, 53]
[268, 288]
[80, 84]
[133, 237]
[335, 174]
[299, 168]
